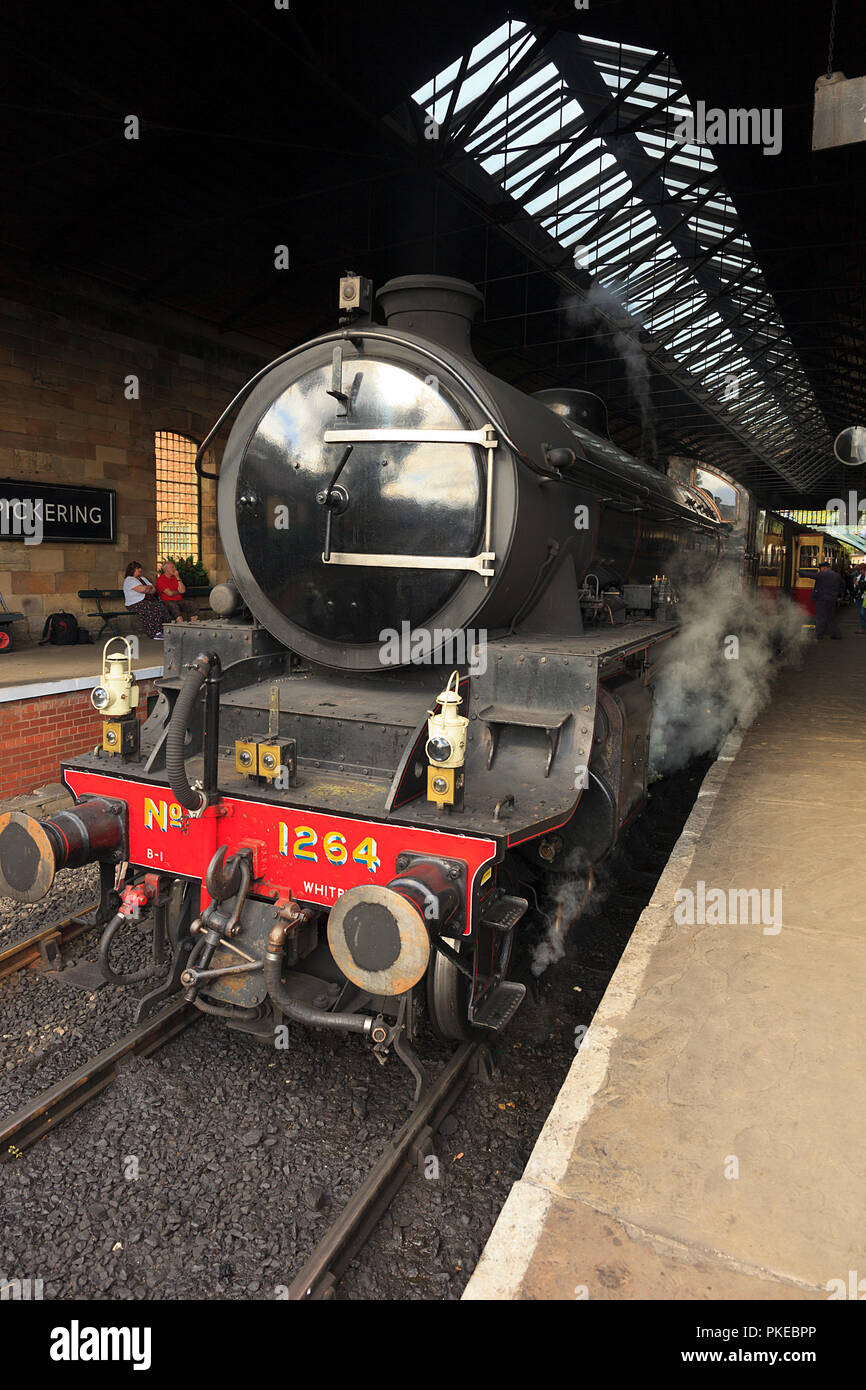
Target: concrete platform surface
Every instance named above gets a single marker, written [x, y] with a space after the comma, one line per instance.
[49, 665]
[710, 1138]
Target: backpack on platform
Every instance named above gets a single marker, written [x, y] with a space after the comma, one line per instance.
[61, 630]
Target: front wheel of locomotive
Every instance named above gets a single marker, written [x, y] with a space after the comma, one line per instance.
[448, 995]
[449, 990]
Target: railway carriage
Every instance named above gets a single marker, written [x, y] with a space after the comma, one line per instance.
[776, 565]
[811, 549]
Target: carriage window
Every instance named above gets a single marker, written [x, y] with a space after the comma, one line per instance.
[772, 556]
[725, 496]
[809, 557]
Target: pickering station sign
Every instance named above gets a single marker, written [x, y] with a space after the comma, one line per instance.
[36, 512]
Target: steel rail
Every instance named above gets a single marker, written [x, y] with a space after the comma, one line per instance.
[44, 946]
[62, 1099]
[318, 1278]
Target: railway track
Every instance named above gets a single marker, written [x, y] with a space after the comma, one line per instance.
[408, 1150]
[43, 950]
[61, 1100]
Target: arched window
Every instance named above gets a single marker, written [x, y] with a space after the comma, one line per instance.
[178, 496]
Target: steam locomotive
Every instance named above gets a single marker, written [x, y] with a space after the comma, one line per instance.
[427, 686]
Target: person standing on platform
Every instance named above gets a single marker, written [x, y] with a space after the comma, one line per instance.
[860, 599]
[828, 588]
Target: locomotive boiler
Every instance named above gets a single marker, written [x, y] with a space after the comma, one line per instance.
[428, 686]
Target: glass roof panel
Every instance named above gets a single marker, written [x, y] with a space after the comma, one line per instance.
[659, 249]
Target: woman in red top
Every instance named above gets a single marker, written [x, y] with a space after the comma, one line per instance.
[171, 590]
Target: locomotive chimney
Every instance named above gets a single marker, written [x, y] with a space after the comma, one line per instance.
[434, 307]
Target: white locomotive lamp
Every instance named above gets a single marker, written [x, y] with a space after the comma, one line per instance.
[446, 748]
[116, 699]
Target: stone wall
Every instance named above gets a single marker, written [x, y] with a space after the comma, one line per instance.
[67, 347]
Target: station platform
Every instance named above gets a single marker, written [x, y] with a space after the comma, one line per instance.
[30, 671]
[709, 1140]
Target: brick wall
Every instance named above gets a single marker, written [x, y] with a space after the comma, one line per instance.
[66, 347]
[37, 735]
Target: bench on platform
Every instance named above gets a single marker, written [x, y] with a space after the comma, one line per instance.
[101, 597]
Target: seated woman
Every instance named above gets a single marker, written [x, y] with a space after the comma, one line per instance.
[171, 590]
[139, 595]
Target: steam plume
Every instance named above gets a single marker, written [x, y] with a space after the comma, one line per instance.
[601, 308]
[707, 683]
[570, 897]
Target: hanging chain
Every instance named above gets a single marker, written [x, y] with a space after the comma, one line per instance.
[832, 39]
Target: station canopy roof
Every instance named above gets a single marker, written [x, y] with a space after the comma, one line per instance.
[596, 140]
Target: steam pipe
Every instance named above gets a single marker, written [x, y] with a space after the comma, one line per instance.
[228, 1010]
[212, 725]
[293, 1008]
[105, 942]
[202, 669]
